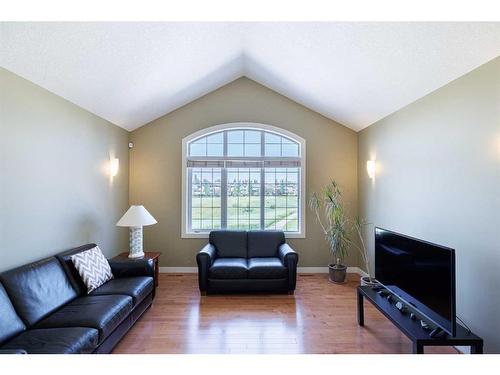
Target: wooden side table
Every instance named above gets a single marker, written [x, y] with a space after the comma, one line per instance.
[147, 255]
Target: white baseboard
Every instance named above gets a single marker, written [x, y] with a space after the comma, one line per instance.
[356, 270]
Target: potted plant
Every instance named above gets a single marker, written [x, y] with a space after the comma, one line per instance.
[337, 228]
[359, 224]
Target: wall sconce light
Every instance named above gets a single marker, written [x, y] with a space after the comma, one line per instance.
[114, 165]
[370, 168]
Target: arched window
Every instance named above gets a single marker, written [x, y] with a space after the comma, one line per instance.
[243, 176]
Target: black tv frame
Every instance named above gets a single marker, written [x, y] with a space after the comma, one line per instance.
[453, 282]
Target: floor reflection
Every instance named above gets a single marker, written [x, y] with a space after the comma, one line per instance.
[236, 324]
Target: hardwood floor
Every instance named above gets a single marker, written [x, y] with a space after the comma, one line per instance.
[319, 318]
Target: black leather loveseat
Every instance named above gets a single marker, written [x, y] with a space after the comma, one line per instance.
[45, 307]
[240, 261]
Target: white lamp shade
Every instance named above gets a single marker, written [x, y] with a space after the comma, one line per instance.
[136, 216]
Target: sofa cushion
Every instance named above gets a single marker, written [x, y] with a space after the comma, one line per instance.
[103, 313]
[266, 268]
[93, 268]
[70, 340]
[264, 243]
[228, 268]
[10, 323]
[37, 289]
[229, 243]
[136, 287]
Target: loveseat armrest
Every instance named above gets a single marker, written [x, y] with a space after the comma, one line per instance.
[288, 255]
[131, 267]
[204, 259]
[13, 351]
[290, 259]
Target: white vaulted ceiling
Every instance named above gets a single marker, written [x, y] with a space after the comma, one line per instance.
[353, 73]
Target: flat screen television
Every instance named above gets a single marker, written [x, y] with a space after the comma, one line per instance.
[420, 273]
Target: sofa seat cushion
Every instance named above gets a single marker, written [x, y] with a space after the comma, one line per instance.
[69, 340]
[229, 268]
[136, 287]
[103, 313]
[266, 268]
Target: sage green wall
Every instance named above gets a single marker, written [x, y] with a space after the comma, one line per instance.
[55, 191]
[438, 179]
[155, 163]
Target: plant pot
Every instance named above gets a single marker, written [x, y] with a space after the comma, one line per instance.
[367, 281]
[337, 273]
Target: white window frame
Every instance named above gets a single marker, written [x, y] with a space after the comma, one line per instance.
[246, 125]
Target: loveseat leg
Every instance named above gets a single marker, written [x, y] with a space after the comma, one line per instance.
[291, 292]
[203, 292]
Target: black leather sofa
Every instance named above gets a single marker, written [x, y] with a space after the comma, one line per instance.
[45, 308]
[241, 261]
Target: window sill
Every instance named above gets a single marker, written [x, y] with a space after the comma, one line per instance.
[205, 235]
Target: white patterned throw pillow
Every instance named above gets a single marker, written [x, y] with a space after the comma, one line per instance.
[93, 268]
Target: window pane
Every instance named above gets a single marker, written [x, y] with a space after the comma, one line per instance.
[235, 136]
[216, 138]
[252, 136]
[232, 224]
[269, 225]
[290, 150]
[280, 177]
[292, 201]
[281, 199]
[205, 199]
[292, 226]
[280, 225]
[201, 140]
[255, 176]
[243, 198]
[272, 149]
[272, 138]
[252, 149]
[196, 224]
[196, 149]
[206, 176]
[254, 225]
[196, 213]
[215, 149]
[196, 176]
[235, 149]
[292, 177]
[206, 224]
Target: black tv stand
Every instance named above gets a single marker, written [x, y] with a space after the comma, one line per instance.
[412, 327]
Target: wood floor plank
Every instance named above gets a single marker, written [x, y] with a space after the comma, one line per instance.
[319, 318]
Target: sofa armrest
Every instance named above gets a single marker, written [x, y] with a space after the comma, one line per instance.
[131, 267]
[290, 259]
[204, 259]
[13, 351]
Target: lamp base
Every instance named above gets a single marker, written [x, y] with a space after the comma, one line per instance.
[136, 255]
[136, 243]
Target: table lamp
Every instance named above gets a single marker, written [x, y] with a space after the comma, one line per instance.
[135, 218]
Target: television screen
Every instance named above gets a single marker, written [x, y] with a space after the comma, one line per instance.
[420, 273]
